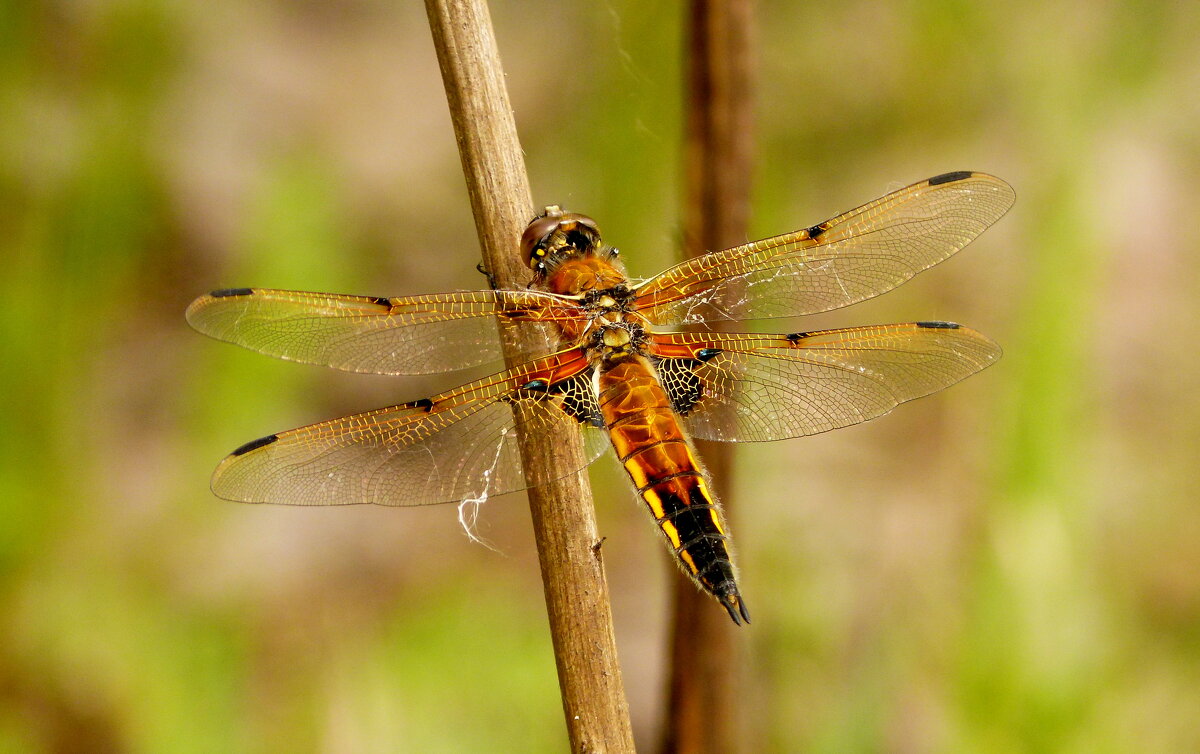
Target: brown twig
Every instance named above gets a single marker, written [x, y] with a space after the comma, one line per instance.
[702, 713]
[564, 523]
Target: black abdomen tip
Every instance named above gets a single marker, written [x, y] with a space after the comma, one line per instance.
[735, 606]
[226, 292]
[255, 445]
[939, 325]
[957, 175]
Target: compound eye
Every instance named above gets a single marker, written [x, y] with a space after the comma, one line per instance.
[537, 233]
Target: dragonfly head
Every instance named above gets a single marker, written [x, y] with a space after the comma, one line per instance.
[555, 236]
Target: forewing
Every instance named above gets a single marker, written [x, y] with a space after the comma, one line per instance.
[404, 335]
[753, 388]
[460, 445]
[854, 256]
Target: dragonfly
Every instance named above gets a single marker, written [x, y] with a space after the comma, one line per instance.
[611, 370]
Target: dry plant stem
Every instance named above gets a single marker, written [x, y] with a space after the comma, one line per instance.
[577, 603]
[703, 711]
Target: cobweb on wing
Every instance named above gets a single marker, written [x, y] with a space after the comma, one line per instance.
[469, 507]
[766, 291]
[721, 302]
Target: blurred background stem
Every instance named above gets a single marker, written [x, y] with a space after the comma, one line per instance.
[702, 712]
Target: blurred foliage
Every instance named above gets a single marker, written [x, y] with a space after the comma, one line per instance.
[1011, 566]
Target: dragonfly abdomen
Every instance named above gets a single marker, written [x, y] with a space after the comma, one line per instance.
[669, 478]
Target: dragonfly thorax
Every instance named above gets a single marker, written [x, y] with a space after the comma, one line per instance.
[617, 339]
[607, 300]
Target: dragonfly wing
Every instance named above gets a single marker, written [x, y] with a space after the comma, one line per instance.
[456, 446]
[752, 388]
[403, 335]
[854, 256]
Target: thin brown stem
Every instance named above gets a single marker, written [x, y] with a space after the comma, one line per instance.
[703, 712]
[564, 523]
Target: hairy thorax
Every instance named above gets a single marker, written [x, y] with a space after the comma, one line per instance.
[609, 325]
[584, 274]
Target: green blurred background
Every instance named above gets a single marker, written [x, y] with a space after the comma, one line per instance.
[1010, 566]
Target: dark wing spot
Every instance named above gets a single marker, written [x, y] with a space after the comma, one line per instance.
[578, 400]
[683, 387]
[957, 175]
[226, 292]
[383, 301]
[535, 385]
[816, 231]
[939, 325]
[706, 354]
[424, 403]
[255, 445]
[796, 337]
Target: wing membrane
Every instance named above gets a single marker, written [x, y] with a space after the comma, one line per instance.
[405, 335]
[856, 255]
[754, 388]
[456, 446]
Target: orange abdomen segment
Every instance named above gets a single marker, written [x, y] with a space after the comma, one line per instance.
[662, 464]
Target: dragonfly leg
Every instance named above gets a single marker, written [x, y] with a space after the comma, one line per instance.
[488, 274]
